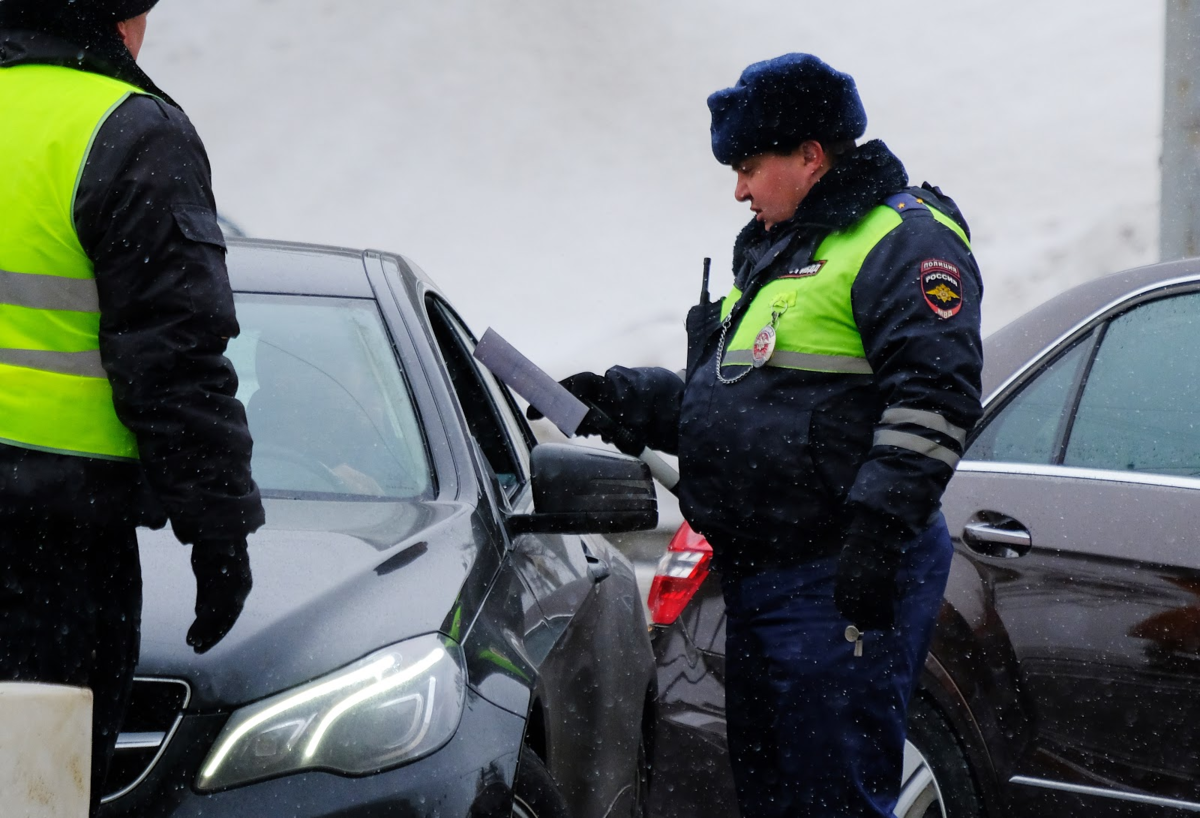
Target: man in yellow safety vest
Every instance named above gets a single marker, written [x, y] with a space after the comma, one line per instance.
[117, 404]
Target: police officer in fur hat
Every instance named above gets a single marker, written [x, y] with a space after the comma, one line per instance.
[826, 402]
[117, 404]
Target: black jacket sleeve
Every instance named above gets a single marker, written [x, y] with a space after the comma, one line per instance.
[646, 401]
[146, 216]
[917, 305]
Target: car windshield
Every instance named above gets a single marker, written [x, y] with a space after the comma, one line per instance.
[329, 409]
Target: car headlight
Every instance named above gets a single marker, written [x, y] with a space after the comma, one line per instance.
[393, 706]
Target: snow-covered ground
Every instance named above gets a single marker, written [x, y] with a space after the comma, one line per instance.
[548, 162]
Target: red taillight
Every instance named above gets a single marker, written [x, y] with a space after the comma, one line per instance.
[679, 575]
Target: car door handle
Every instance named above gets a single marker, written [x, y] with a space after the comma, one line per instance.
[1006, 538]
[597, 568]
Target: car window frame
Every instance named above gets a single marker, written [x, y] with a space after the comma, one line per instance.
[1071, 398]
[1081, 387]
[517, 439]
[1096, 324]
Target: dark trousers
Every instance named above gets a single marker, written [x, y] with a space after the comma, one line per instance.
[815, 731]
[70, 613]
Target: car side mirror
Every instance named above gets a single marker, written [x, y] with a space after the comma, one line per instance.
[577, 490]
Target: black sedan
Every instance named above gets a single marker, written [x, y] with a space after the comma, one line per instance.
[436, 626]
[1064, 676]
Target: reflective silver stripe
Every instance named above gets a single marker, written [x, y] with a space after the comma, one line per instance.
[918, 444]
[1134, 797]
[804, 360]
[42, 292]
[1076, 473]
[86, 364]
[930, 420]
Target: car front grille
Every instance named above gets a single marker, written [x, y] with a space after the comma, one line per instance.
[154, 713]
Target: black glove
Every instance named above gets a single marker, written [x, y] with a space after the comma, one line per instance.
[597, 392]
[865, 588]
[223, 582]
[590, 388]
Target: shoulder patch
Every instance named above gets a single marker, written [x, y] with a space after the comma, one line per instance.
[904, 202]
[941, 286]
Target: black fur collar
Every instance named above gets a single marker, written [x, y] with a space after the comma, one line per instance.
[858, 182]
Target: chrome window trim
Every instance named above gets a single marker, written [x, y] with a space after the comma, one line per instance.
[166, 739]
[1127, 298]
[1103, 793]
[1076, 473]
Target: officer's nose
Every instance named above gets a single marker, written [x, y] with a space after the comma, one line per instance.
[741, 190]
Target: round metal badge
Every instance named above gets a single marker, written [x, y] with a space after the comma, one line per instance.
[764, 346]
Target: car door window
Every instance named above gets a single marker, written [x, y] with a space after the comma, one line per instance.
[483, 401]
[1029, 427]
[1140, 408]
[328, 405]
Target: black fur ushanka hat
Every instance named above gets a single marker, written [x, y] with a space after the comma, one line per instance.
[779, 103]
[55, 16]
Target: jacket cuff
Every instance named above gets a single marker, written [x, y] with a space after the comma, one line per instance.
[219, 520]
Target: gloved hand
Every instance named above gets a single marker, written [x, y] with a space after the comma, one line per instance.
[597, 392]
[223, 582]
[865, 587]
[590, 388]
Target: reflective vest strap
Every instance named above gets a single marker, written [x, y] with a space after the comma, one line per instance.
[85, 364]
[729, 301]
[803, 360]
[30, 395]
[49, 292]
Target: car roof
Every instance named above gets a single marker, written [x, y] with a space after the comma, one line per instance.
[1009, 348]
[264, 265]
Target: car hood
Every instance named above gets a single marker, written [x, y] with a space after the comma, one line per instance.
[333, 581]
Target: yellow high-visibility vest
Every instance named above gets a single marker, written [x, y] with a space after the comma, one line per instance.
[54, 394]
[810, 308]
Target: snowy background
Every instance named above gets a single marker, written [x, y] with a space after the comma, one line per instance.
[547, 161]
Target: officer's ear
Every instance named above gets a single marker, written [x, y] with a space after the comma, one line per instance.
[815, 156]
[132, 32]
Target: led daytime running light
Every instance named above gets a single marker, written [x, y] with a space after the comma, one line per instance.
[380, 687]
[374, 670]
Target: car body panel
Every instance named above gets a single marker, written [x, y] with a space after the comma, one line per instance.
[320, 570]
[588, 659]
[692, 776]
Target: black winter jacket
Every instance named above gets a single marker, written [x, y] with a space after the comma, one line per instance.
[781, 467]
[145, 214]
